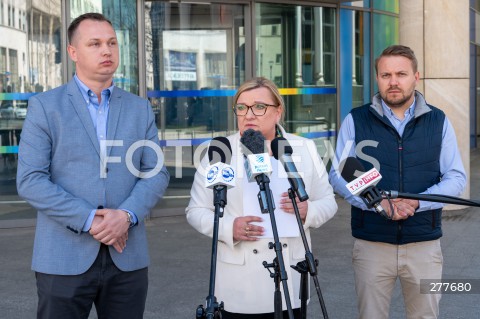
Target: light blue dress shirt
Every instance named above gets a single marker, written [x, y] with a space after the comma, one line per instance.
[453, 177]
[99, 114]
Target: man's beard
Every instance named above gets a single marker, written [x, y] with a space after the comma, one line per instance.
[396, 102]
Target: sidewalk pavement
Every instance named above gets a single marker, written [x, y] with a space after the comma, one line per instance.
[180, 266]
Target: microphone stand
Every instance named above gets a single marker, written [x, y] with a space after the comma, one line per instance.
[279, 274]
[309, 265]
[213, 308]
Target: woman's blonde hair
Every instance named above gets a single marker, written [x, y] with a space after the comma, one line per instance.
[260, 82]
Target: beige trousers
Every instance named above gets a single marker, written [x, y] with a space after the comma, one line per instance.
[377, 267]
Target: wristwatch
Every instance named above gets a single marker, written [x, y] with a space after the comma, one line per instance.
[129, 218]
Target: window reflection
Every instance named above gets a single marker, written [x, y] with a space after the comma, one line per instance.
[362, 4]
[361, 71]
[195, 58]
[387, 5]
[29, 63]
[296, 48]
[188, 66]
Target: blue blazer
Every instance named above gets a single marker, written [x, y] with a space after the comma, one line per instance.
[59, 174]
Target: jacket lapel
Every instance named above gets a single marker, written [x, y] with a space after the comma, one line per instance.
[115, 108]
[79, 104]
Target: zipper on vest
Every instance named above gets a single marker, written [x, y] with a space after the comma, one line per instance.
[400, 164]
[400, 184]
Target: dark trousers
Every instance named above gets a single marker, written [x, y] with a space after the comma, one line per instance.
[230, 315]
[115, 293]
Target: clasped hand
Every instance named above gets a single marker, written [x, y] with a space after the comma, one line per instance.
[402, 207]
[110, 227]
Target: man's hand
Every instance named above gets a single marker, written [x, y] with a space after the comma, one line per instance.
[402, 208]
[110, 226]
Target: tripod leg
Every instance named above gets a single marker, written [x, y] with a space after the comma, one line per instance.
[320, 297]
[278, 305]
[277, 302]
[304, 294]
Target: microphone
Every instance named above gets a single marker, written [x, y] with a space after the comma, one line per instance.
[258, 167]
[364, 185]
[296, 181]
[219, 172]
[258, 161]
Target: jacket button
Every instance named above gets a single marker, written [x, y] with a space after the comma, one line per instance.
[255, 251]
[285, 245]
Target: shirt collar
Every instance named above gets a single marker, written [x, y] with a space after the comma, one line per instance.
[87, 92]
[408, 112]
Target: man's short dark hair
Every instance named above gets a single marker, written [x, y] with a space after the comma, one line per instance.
[398, 50]
[86, 16]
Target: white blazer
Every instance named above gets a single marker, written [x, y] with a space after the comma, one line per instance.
[242, 282]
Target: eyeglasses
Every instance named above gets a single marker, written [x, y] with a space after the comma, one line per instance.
[258, 109]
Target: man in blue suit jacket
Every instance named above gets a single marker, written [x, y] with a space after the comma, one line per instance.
[91, 165]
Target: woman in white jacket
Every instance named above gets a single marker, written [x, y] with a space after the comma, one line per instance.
[242, 282]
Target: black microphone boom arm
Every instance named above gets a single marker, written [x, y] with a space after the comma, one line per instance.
[432, 198]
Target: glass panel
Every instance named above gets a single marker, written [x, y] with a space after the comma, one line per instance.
[477, 28]
[29, 62]
[122, 14]
[356, 57]
[386, 5]
[295, 47]
[386, 34]
[477, 93]
[361, 4]
[195, 57]
[361, 71]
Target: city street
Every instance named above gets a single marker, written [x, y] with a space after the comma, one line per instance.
[180, 266]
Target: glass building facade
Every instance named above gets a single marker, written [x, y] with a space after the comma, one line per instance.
[188, 58]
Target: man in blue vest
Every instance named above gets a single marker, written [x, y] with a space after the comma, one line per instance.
[414, 147]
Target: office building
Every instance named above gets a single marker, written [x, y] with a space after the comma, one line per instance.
[188, 58]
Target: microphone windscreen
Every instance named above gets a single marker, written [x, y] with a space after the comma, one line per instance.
[280, 146]
[220, 150]
[350, 166]
[254, 141]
